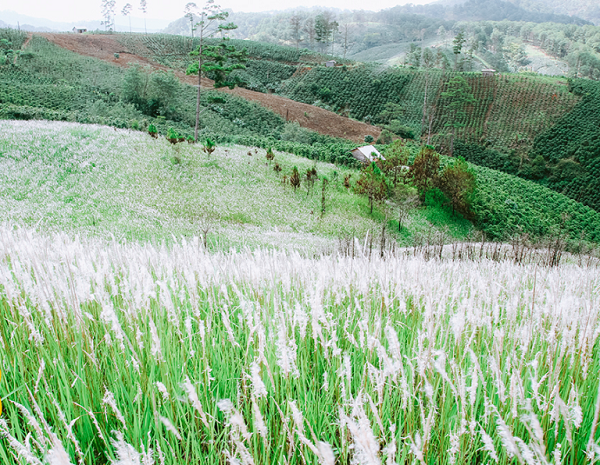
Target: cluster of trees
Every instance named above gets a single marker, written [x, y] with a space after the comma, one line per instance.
[109, 9]
[352, 31]
[478, 10]
[402, 187]
[502, 45]
[154, 94]
[338, 32]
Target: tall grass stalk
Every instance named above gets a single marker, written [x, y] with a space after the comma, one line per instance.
[137, 353]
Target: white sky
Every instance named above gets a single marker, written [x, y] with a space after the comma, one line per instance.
[86, 10]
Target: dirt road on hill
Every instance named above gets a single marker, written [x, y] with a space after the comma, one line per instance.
[104, 47]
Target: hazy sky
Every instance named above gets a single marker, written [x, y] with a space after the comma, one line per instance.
[76, 10]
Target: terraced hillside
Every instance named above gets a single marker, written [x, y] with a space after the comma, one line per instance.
[508, 128]
[171, 53]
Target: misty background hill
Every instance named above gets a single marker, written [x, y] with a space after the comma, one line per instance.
[33, 24]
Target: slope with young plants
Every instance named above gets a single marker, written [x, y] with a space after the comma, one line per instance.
[93, 180]
[126, 50]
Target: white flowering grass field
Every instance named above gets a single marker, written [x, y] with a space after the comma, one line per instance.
[136, 354]
[94, 180]
[154, 349]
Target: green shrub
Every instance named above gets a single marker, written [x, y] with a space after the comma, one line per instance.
[400, 130]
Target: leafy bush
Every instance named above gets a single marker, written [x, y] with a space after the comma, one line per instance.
[400, 129]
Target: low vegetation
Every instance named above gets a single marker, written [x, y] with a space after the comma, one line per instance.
[96, 181]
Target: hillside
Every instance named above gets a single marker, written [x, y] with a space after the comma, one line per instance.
[104, 182]
[586, 9]
[95, 181]
[505, 129]
[155, 52]
[256, 295]
[154, 297]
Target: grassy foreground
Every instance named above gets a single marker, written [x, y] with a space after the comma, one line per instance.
[136, 354]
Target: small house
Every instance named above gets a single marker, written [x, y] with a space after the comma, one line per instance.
[488, 72]
[330, 63]
[366, 154]
[79, 30]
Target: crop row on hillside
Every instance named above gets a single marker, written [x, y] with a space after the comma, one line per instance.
[572, 147]
[359, 91]
[505, 205]
[165, 45]
[509, 111]
[15, 37]
[267, 67]
[62, 85]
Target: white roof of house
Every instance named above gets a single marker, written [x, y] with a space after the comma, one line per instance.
[488, 70]
[367, 152]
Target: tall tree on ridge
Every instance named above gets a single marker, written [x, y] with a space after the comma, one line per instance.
[346, 42]
[309, 29]
[334, 26]
[218, 59]
[189, 11]
[458, 42]
[323, 28]
[126, 11]
[144, 9]
[108, 13]
[296, 28]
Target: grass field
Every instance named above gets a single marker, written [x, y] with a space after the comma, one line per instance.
[142, 354]
[100, 181]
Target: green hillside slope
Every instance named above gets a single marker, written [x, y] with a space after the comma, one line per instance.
[509, 128]
[93, 180]
[98, 181]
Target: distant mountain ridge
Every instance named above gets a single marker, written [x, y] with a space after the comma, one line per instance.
[486, 10]
[586, 9]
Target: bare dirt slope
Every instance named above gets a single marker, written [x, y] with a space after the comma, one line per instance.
[104, 48]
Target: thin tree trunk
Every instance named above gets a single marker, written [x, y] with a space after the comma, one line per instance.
[192, 31]
[199, 87]
[425, 102]
[345, 40]
[431, 116]
[452, 142]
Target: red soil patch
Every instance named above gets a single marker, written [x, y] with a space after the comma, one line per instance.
[104, 47]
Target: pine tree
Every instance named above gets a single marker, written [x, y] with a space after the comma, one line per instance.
[108, 13]
[296, 29]
[220, 60]
[190, 10]
[126, 11]
[457, 182]
[372, 184]
[458, 42]
[144, 9]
